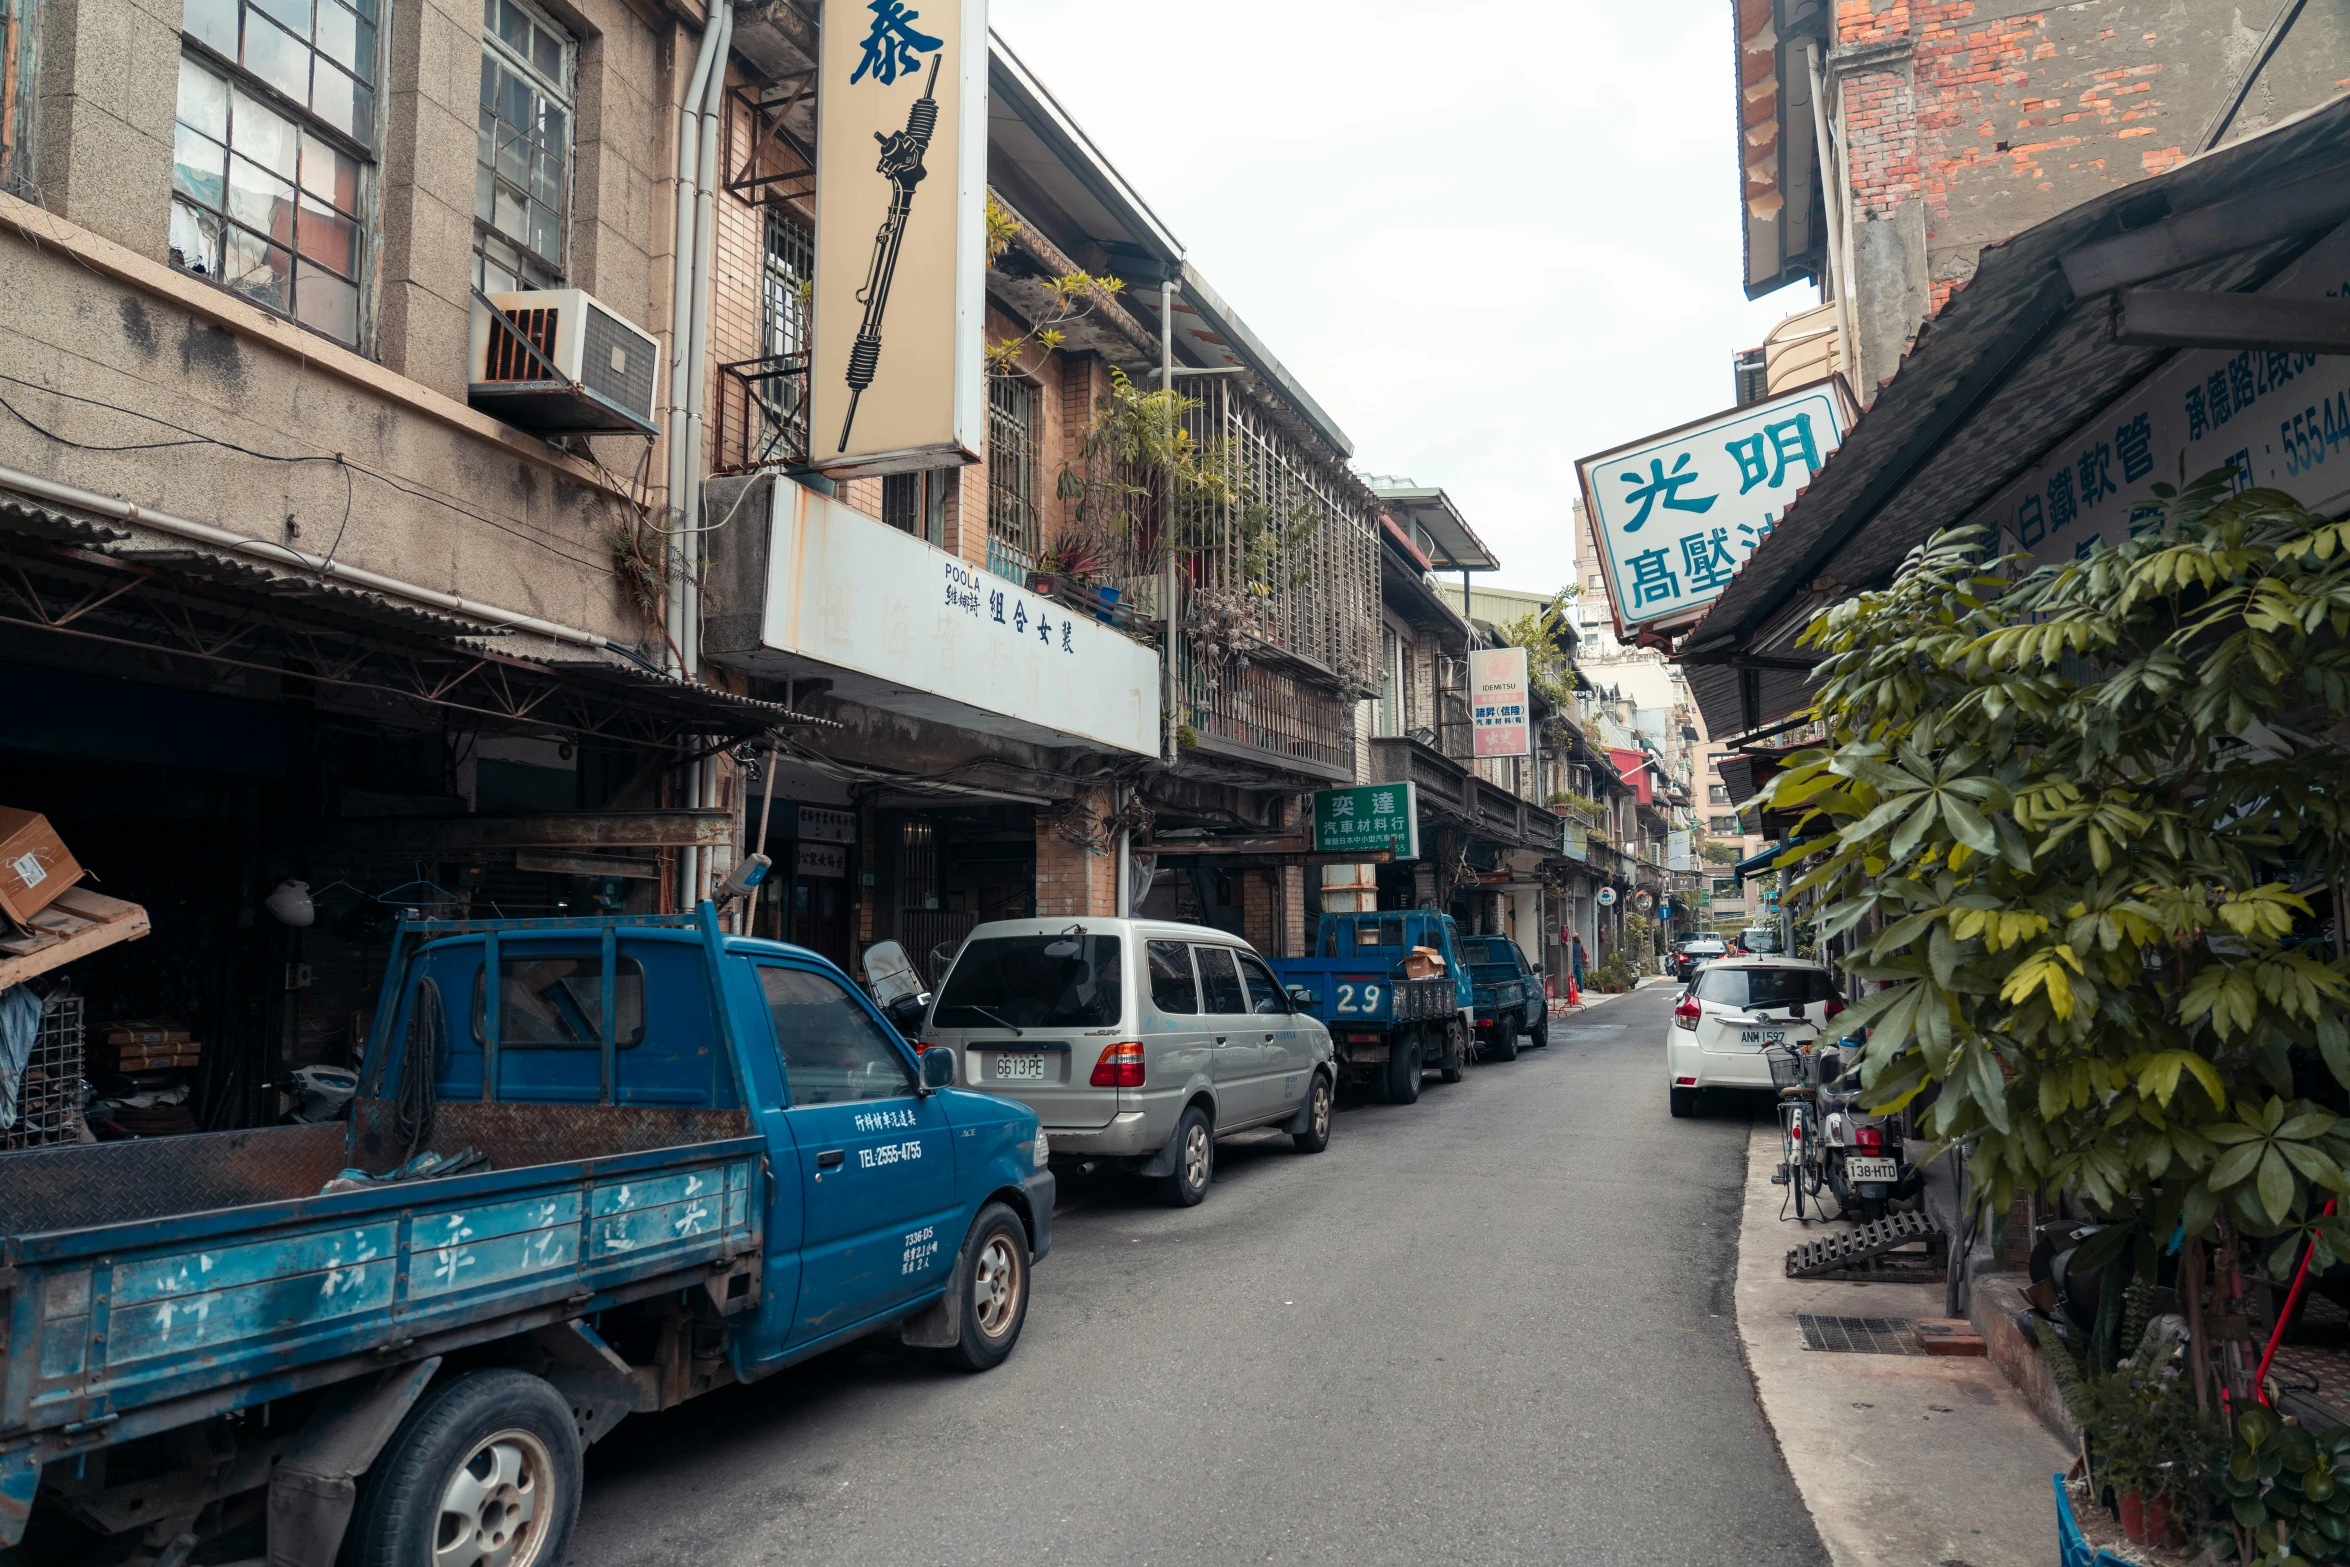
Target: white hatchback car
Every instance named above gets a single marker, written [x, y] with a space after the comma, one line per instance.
[1733, 1010]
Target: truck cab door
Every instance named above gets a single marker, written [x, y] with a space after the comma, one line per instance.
[871, 1153]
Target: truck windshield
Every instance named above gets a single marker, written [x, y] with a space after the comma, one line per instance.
[1040, 981]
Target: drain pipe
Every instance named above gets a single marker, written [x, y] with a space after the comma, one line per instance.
[682, 460]
[705, 223]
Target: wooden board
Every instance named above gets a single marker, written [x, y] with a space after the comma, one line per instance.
[77, 924]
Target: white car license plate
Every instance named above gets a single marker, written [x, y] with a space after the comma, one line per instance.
[1859, 1169]
[1019, 1069]
[1759, 1037]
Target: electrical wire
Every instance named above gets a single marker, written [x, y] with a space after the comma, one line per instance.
[199, 438]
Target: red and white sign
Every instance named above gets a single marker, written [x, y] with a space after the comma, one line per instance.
[1497, 701]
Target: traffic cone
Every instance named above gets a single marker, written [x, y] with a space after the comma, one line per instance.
[1574, 997]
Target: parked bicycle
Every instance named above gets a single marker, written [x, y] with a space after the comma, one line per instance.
[1802, 1158]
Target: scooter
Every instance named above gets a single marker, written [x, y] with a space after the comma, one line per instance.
[1865, 1168]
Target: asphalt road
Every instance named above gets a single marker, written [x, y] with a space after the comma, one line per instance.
[1494, 1326]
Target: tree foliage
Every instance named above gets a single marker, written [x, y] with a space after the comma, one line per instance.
[2074, 814]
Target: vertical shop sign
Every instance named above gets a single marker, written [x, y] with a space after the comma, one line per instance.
[1497, 701]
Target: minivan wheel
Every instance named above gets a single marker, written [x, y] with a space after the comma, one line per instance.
[1195, 1161]
[1403, 1071]
[1321, 1109]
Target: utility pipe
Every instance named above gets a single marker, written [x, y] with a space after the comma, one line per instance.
[283, 555]
[705, 222]
[681, 316]
[1832, 206]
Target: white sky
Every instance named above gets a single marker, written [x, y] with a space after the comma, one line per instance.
[1488, 238]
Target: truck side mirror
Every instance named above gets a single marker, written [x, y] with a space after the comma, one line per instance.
[938, 1068]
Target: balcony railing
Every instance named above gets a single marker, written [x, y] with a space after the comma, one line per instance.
[1267, 710]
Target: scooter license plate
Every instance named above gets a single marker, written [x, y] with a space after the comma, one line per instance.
[1860, 1169]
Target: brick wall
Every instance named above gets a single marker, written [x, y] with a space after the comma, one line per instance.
[1070, 878]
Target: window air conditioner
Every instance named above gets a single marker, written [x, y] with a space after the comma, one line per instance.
[590, 372]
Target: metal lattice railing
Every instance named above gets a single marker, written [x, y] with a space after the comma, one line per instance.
[1268, 710]
[49, 1091]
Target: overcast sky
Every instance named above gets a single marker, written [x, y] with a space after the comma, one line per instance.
[1489, 239]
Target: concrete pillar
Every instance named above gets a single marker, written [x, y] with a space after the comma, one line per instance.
[1294, 934]
[108, 96]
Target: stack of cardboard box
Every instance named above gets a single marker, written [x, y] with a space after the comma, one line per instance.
[155, 1059]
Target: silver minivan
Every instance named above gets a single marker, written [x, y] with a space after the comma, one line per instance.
[1140, 1042]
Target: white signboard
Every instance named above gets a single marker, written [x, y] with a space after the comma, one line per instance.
[898, 624]
[1676, 514]
[822, 824]
[2282, 419]
[1497, 701]
[823, 859]
[1677, 851]
[896, 378]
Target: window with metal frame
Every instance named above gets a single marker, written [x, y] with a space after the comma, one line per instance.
[272, 151]
[1012, 407]
[522, 172]
[779, 382]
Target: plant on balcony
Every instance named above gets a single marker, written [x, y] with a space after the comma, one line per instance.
[1069, 297]
[2066, 810]
[1582, 804]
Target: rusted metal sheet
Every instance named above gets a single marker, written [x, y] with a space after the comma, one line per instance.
[562, 830]
[78, 1185]
[516, 1135]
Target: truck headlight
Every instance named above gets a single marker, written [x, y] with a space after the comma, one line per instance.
[1043, 1149]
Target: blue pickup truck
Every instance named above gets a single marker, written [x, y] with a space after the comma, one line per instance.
[1387, 1028]
[596, 1167]
[1510, 997]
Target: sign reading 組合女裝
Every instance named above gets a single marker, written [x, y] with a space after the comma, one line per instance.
[1368, 819]
[1676, 514]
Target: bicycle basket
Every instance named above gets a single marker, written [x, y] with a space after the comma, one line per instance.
[1786, 1066]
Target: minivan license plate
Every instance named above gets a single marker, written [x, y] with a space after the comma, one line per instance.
[1016, 1069]
[1758, 1037]
[1859, 1169]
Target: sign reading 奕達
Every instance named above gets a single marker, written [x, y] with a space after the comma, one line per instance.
[1368, 819]
[897, 372]
[1497, 701]
[1676, 514]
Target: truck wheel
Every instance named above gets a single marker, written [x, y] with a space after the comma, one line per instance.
[995, 1304]
[1454, 1061]
[1505, 1038]
[1540, 1038]
[484, 1470]
[1403, 1071]
[1195, 1161]
[1320, 1111]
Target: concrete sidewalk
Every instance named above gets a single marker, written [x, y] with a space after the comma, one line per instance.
[1904, 1460]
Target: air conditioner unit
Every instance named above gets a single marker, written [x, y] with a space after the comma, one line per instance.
[556, 361]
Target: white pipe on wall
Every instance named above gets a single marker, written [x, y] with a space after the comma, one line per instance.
[698, 348]
[682, 457]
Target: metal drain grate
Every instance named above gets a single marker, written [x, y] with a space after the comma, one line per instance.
[1859, 1335]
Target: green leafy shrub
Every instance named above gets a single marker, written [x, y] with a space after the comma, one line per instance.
[2284, 1494]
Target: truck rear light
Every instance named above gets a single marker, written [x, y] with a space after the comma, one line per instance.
[1687, 1013]
[1869, 1139]
[1119, 1067]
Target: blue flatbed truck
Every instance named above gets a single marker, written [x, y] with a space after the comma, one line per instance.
[678, 1159]
[1510, 997]
[1386, 1029]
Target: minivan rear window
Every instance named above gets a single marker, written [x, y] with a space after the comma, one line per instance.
[1039, 981]
[1764, 987]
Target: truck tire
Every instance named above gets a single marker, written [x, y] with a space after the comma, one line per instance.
[492, 1455]
[1321, 1110]
[1453, 1063]
[1195, 1160]
[1403, 1069]
[1540, 1038]
[1505, 1038]
[995, 1295]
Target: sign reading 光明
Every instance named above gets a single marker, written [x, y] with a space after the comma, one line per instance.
[1368, 819]
[1676, 514]
[1497, 701]
[897, 374]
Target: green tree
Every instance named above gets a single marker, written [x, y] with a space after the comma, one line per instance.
[2072, 814]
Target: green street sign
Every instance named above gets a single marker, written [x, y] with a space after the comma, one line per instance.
[1368, 819]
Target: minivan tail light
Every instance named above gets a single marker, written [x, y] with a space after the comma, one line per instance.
[1687, 1013]
[1835, 1005]
[1119, 1067]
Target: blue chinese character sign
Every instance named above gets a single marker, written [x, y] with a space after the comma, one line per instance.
[1371, 819]
[1675, 514]
[897, 370]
